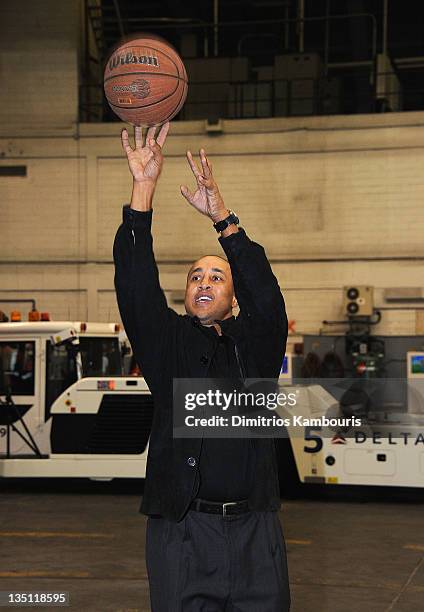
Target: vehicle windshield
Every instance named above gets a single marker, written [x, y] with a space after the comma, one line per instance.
[100, 356]
[17, 367]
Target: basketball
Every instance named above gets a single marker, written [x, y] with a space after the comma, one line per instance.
[145, 81]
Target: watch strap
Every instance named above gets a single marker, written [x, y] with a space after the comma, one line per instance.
[220, 226]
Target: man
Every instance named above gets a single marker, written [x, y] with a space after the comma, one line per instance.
[214, 540]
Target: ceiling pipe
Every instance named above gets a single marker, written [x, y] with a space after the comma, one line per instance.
[385, 24]
[215, 26]
[301, 27]
[118, 14]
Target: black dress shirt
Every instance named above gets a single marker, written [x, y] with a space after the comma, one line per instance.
[226, 465]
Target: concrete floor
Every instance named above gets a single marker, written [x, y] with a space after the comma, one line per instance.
[88, 539]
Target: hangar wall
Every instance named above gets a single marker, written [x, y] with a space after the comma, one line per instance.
[334, 200]
[39, 63]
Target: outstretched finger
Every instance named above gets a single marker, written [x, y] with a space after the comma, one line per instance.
[126, 142]
[163, 134]
[208, 161]
[154, 147]
[193, 165]
[150, 134]
[138, 132]
[206, 169]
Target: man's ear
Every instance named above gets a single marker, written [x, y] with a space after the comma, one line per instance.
[234, 303]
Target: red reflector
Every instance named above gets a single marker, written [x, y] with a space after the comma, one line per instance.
[73, 409]
[83, 327]
[111, 384]
[45, 316]
[117, 327]
[33, 315]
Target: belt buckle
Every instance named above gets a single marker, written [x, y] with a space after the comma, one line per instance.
[224, 507]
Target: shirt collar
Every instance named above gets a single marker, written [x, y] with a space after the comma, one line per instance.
[223, 323]
[226, 325]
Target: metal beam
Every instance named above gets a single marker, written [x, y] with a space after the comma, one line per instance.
[118, 14]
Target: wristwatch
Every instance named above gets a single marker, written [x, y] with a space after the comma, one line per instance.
[220, 226]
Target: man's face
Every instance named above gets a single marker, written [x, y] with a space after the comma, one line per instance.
[209, 291]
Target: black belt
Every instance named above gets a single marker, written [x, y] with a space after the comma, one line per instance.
[222, 508]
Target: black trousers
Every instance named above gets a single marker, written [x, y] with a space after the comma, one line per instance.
[210, 563]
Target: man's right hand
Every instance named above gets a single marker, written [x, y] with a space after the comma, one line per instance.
[145, 163]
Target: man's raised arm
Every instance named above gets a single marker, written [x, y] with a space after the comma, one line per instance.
[255, 286]
[142, 303]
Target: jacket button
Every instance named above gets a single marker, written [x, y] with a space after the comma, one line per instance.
[204, 359]
[191, 461]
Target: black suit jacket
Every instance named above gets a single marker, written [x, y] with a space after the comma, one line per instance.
[168, 345]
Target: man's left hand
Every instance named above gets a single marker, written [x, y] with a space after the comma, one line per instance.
[207, 198]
